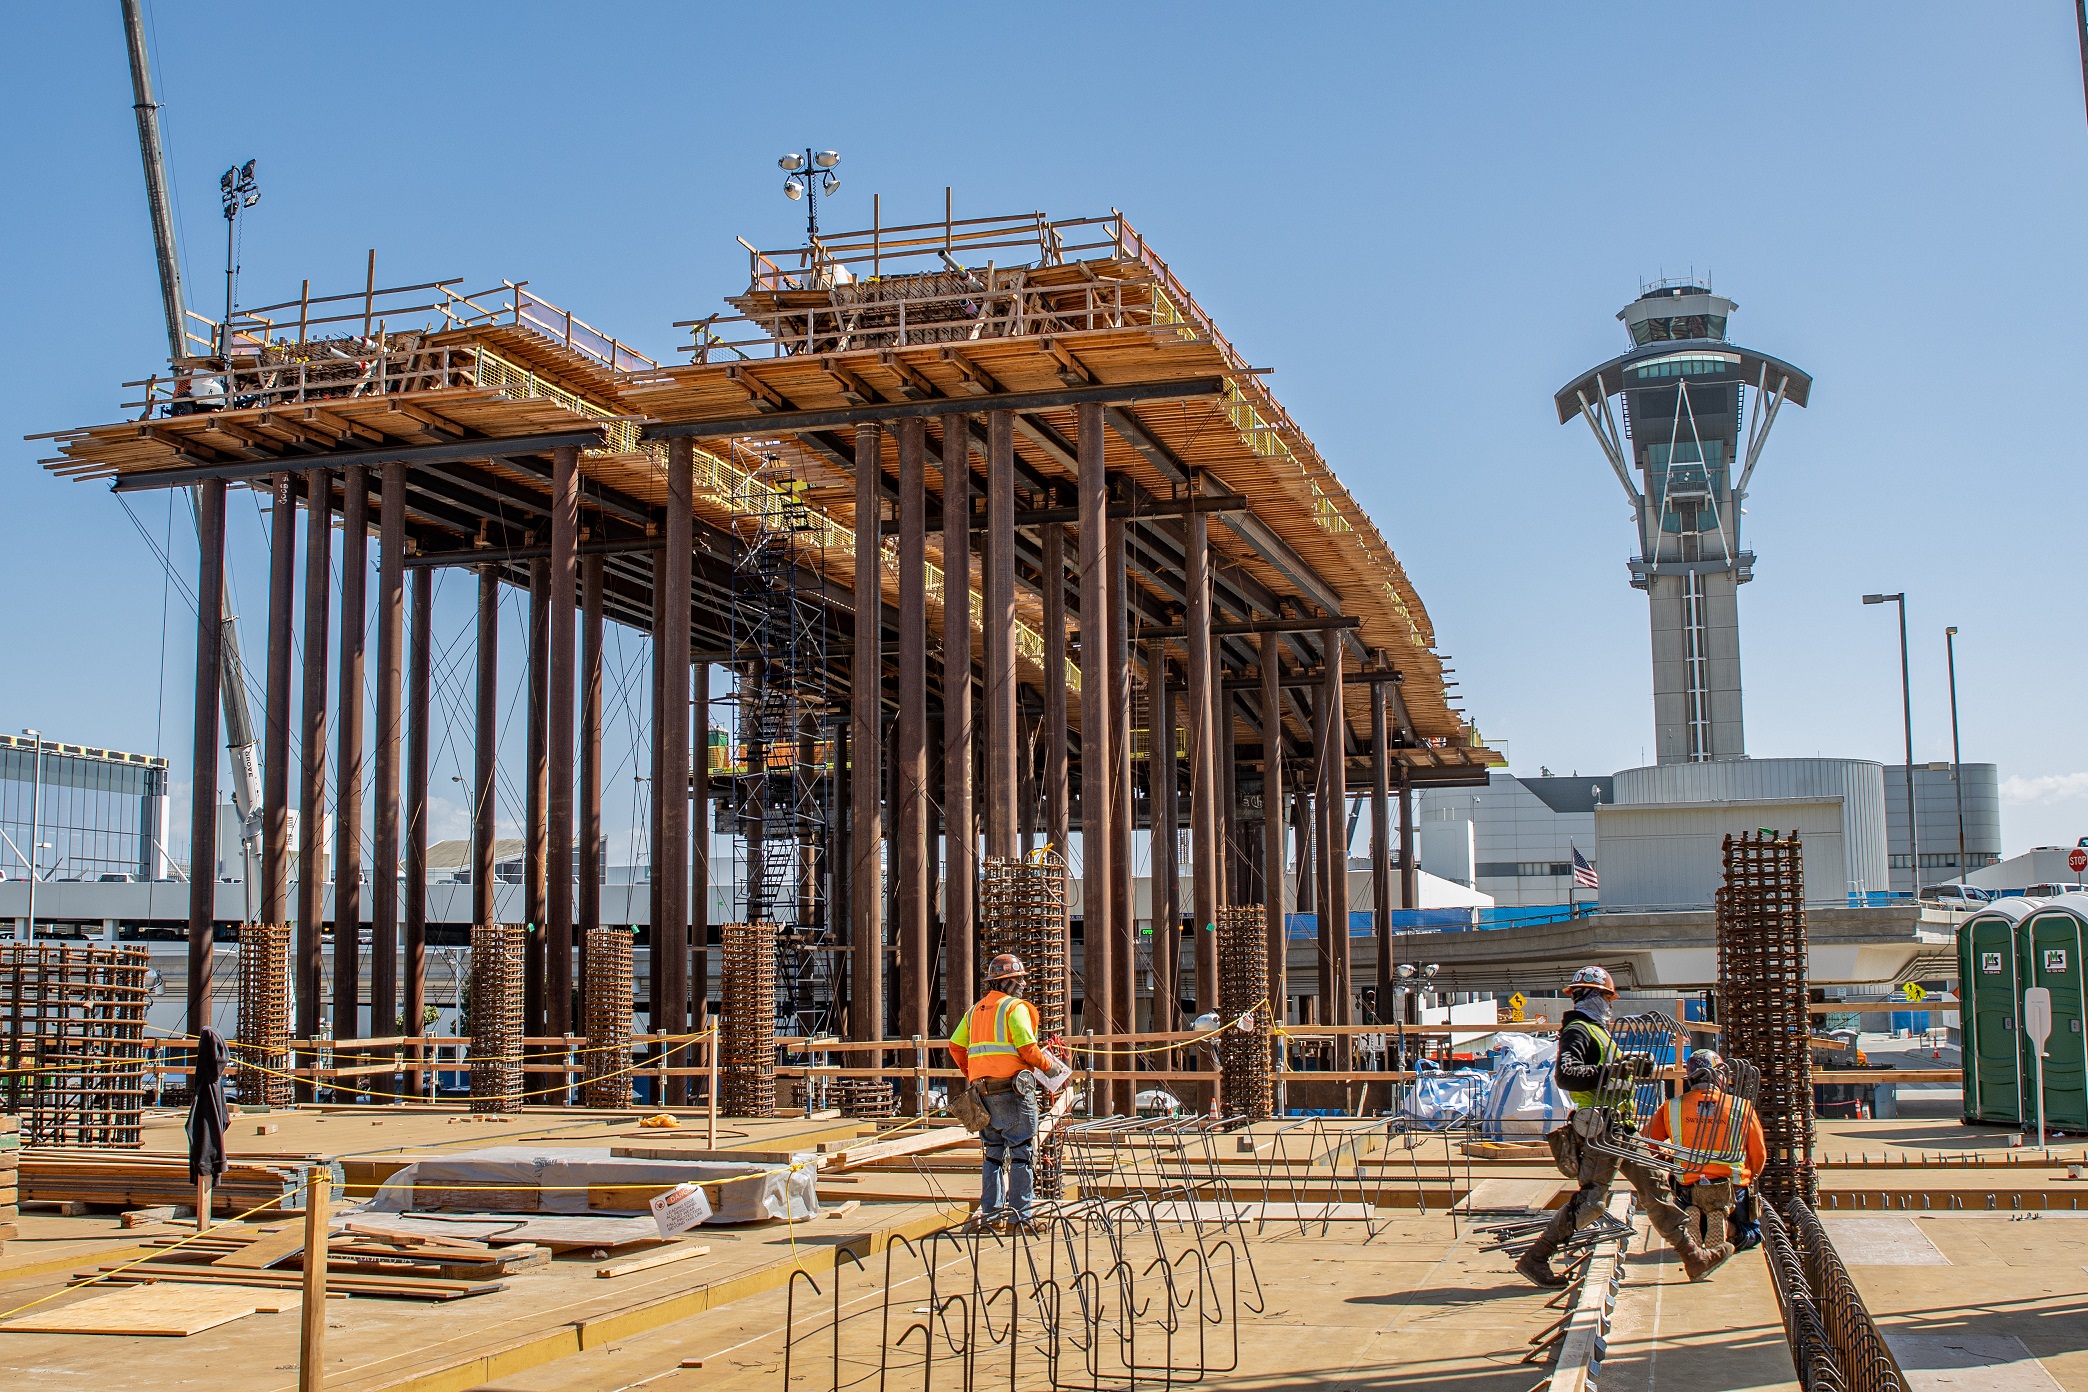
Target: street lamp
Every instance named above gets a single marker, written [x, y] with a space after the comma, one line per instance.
[811, 174]
[1957, 772]
[237, 192]
[1907, 719]
[35, 829]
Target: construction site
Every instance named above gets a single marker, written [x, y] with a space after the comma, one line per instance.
[990, 605]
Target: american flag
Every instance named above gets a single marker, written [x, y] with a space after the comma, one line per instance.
[1584, 876]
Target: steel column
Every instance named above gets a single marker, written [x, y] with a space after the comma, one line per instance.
[1203, 792]
[1334, 793]
[348, 756]
[419, 638]
[485, 746]
[1099, 964]
[866, 753]
[536, 791]
[910, 809]
[999, 624]
[700, 846]
[960, 845]
[1276, 935]
[385, 839]
[203, 810]
[1381, 852]
[655, 837]
[671, 932]
[1322, 850]
[275, 758]
[1057, 795]
[1165, 800]
[558, 858]
[310, 972]
[1123, 920]
[1409, 872]
[587, 912]
[1232, 872]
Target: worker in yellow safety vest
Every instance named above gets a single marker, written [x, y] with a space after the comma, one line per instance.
[996, 1045]
[1602, 1080]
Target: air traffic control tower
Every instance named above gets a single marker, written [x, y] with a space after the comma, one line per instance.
[1694, 405]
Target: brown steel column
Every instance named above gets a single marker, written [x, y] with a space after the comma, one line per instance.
[1381, 848]
[310, 973]
[1057, 796]
[910, 809]
[1097, 838]
[587, 912]
[1336, 793]
[419, 636]
[203, 809]
[535, 791]
[1162, 743]
[384, 860]
[1123, 917]
[1002, 739]
[1409, 873]
[671, 934]
[348, 757]
[1232, 873]
[700, 846]
[961, 849]
[485, 745]
[655, 838]
[866, 754]
[1306, 894]
[1276, 932]
[1322, 910]
[558, 906]
[275, 757]
[1203, 792]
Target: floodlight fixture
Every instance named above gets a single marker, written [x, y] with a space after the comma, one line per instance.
[1880, 598]
[829, 184]
[827, 159]
[802, 168]
[237, 191]
[793, 189]
[791, 164]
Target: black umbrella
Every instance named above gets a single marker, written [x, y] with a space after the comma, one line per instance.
[207, 1119]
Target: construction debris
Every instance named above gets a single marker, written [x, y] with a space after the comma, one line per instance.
[144, 1179]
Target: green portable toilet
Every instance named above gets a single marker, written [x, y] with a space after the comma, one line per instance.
[1990, 997]
[2049, 943]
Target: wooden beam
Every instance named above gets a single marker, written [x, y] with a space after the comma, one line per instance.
[234, 471]
[787, 422]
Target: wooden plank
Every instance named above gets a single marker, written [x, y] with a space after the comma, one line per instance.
[921, 1142]
[1506, 1195]
[169, 1311]
[651, 1260]
[266, 1250]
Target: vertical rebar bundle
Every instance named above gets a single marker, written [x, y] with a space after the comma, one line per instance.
[73, 1023]
[1022, 909]
[497, 952]
[1243, 993]
[261, 1058]
[1762, 999]
[748, 1028]
[606, 1075]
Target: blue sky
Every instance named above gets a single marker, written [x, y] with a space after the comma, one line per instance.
[1422, 218]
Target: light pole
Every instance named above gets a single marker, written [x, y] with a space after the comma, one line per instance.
[236, 191]
[35, 828]
[1957, 771]
[1907, 718]
[811, 174]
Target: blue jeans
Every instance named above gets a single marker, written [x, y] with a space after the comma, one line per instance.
[1010, 1129]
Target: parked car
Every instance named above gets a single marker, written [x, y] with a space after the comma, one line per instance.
[1956, 895]
[2053, 891]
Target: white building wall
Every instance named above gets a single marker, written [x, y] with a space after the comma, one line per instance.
[1858, 784]
[1671, 855]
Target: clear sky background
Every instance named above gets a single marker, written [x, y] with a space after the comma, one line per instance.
[1423, 221]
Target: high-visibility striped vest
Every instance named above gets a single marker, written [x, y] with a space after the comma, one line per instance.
[991, 1041]
[1622, 1097]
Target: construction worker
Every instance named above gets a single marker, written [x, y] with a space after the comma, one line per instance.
[1602, 1082]
[1704, 1122]
[996, 1046]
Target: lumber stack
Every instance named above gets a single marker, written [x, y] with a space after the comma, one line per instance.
[145, 1178]
[272, 1256]
[10, 1175]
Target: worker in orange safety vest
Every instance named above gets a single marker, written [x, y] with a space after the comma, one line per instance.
[1707, 1121]
[996, 1044]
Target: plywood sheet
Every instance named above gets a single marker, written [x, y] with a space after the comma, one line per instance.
[1968, 1363]
[166, 1311]
[1883, 1241]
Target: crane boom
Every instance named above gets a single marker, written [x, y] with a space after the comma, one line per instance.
[239, 723]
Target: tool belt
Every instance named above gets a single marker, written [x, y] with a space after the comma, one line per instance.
[1712, 1195]
[1565, 1149]
[994, 1086]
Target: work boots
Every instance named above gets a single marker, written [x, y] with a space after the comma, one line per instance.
[1535, 1264]
[1699, 1260]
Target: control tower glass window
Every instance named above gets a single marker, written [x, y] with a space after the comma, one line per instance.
[1677, 328]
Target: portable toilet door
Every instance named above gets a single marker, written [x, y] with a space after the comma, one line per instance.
[2049, 955]
[1989, 999]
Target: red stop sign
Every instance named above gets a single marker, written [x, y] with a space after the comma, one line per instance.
[2077, 860]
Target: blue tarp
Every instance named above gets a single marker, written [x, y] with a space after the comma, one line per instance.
[1362, 924]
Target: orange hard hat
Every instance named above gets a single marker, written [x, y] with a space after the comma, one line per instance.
[1592, 978]
[1006, 967]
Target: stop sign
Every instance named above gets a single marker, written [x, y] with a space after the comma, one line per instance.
[2077, 860]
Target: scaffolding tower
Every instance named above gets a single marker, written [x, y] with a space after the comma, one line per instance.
[778, 774]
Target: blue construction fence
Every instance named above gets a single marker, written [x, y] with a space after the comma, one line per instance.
[1363, 924]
